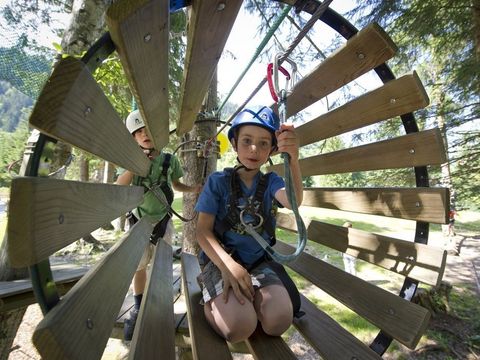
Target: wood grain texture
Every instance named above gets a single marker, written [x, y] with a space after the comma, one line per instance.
[401, 319]
[140, 31]
[48, 214]
[206, 344]
[415, 149]
[421, 262]
[364, 51]
[73, 108]
[155, 332]
[328, 337]
[209, 26]
[419, 204]
[79, 326]
[396, 97]
[263, 346]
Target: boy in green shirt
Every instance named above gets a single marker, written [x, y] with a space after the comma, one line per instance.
[151, 205]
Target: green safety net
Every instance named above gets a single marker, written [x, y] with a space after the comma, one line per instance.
[26, 69]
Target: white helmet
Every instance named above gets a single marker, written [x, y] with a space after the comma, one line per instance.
[134, 121]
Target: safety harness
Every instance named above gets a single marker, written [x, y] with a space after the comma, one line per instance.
[162, 184]
[234, 220]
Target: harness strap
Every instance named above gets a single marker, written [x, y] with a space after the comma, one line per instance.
[232, 219]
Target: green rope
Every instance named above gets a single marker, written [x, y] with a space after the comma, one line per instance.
[260, 47]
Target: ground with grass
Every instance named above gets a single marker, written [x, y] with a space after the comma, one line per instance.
[454, 334]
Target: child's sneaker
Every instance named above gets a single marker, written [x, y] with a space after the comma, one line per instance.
[129, 325]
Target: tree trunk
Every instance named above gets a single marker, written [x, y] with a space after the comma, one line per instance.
[86, 26]
[199, 167]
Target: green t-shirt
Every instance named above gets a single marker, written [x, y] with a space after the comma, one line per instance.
[151, 205]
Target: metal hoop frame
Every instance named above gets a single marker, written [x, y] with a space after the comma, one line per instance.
[41, 274]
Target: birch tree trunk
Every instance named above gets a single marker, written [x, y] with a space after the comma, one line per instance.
[86, 26]
[198, 168]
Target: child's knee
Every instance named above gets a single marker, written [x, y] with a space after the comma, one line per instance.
[239, 327]
[277, 324]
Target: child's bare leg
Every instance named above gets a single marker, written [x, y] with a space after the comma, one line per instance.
[274, 309]
[139, 281]
[233, 321]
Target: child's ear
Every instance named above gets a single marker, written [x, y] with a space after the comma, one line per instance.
[234, 144]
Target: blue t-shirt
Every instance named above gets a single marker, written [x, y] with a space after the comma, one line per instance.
[215, 200]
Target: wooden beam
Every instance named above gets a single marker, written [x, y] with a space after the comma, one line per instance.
[209, 26]
[418, 261]
[415, 149]
[369, 48]
[140, 31]
[401, 319]
[329, 338]
[263, 346]
[54, 213]
[72, 108]
[155, 332]
[206, 343]
[396, 97]
[419, 204]
[79, 326]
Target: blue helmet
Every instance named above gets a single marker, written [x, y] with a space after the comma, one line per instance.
[258, 115]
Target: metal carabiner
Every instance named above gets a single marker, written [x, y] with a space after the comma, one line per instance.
[290, 83]
[260, 222]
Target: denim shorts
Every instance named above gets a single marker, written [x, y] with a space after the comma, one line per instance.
[211, 281]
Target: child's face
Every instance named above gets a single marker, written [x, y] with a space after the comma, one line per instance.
[142, 139]
[254, 146]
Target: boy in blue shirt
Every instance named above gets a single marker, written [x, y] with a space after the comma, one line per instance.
[237, 266]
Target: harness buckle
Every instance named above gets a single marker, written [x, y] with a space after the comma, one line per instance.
[259, 216]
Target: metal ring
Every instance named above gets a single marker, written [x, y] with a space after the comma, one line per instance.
[260, 223]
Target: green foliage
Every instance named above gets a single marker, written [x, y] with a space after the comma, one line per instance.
[11, 150]
[13, 106]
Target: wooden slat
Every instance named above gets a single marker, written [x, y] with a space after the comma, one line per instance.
[74, 109]
[19, 293]
[208, 30]
[206, 344]
[48, 214]
[420, 204]
[364, 51]
[78, 327]
[329, 338]
[416, 149]
[155, 332]
[140, 32]
[396, 97]
[401, 319]
[417, 261]
[263, 346]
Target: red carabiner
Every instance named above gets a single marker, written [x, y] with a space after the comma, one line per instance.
[271, 86]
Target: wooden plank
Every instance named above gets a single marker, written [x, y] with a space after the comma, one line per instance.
[396, 97]
[419, 204]
[140, 31]
[401, 319]
[415, 149]
[263, 346]
[56, 212]
[329, 338]
[19, 293]
[78, 327]
[364, 51]
[209, 26]
[155, 332]
[417, 261]
[206, 343]
[73, 108]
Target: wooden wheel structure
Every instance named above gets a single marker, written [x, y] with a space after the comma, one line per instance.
[72, 108]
